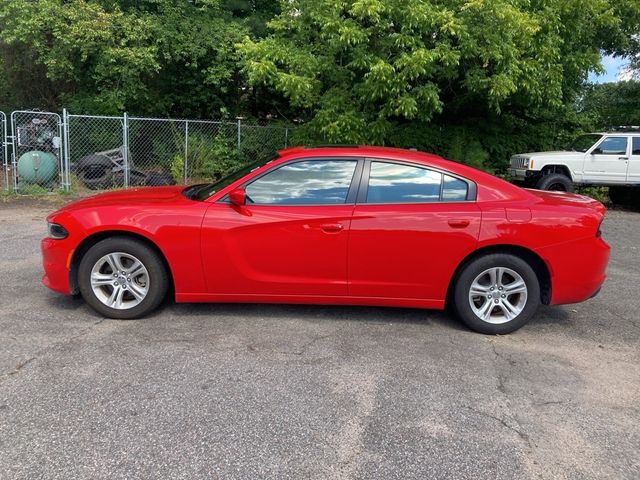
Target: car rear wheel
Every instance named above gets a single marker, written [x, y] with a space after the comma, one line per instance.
[555, 182]
[496, 294]
[122, 278]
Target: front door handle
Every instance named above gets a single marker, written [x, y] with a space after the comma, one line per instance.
[623, 158]
[331, 227]
[459, 222]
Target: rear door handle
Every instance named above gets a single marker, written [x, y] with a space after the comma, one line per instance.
[331, 227]
[458, 223]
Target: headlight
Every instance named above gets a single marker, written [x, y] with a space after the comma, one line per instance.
[57, 231]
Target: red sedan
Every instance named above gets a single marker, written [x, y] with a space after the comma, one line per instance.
[338, 225]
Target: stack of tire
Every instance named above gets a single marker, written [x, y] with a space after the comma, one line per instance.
[97, 172]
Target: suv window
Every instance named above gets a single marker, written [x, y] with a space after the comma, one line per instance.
[612, 146]
[584, 142]
[636, 146]
[311, 182]
[397, 183]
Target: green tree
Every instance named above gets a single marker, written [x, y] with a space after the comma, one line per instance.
[158, 57]
[357, 69]
[612, 104]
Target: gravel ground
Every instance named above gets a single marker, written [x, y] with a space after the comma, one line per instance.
[262, 391]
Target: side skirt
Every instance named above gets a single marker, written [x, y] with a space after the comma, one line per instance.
[311, 300]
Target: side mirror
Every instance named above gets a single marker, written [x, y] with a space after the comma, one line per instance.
[238, 197]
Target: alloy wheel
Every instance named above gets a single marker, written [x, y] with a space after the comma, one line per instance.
[119, 280]
[498, 295]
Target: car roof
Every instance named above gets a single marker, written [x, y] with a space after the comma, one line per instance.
[615, 133]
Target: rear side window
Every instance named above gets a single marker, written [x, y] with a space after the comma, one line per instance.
[636, 146]
[397, 183]
[313, 182]
[612, 146]
[454, 189]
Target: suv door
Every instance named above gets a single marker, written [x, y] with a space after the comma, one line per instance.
[291, 236]
[607, 161]
[633, 171]
[410, 229]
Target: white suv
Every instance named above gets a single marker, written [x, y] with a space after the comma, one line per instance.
[609, 159]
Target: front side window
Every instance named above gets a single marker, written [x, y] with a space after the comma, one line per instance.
[311, 182]
[397, 183]
[612, 146]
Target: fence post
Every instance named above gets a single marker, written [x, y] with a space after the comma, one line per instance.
[125, 145]
[186, 149]
[286, 137]
[239, 127]
[65, 150]
[5, 150]
[14, 160]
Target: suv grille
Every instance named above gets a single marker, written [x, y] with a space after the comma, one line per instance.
[519, 162]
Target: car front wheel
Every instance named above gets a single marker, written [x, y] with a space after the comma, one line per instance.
[496, 294]
[122, 278]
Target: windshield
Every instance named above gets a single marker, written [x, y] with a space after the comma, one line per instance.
[583, 142]
[202, 192]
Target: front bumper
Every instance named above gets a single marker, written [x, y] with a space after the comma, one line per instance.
[56, 260]
[522, 174]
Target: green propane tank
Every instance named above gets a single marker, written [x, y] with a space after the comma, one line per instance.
[37, 167]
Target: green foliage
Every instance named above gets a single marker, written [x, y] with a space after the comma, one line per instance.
[599, 193]
[177, 169]
[212, 157]
[154, 57]
[473, 80]
[612, 104]
[32, 189]
[476, 81]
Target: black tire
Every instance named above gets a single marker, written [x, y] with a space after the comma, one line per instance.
[158, 276]
[556, 182]
[136, 178]
[461, 290]
[158, 179]
[95, 171]
[624, 195]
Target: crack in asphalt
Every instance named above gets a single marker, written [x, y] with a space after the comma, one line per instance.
[503, 389]
[301, 351]
[20, 366]
[520, 433]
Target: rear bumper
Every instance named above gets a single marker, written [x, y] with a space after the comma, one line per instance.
[56, 258]
[578, 269]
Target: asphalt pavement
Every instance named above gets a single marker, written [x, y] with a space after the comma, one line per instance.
[297, 392]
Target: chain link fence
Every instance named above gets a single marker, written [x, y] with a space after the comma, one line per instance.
[38, 163]
[4, 153]
[46, 152]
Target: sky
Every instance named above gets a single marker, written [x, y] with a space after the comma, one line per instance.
[613, 66]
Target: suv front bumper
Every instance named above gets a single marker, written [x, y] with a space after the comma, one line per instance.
[522, 174]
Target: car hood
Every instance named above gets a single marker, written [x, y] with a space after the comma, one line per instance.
[568, 199]
[133, 196]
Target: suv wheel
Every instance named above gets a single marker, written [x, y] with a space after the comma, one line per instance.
[624, 195]
[555, 182]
